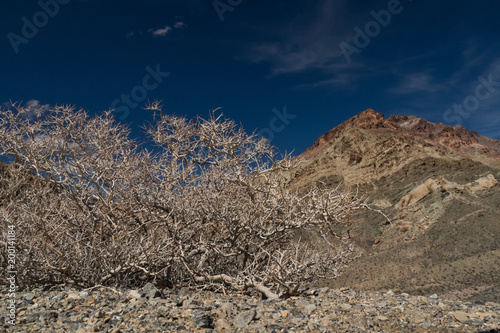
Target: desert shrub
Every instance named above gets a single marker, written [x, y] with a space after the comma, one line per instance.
[200, 202]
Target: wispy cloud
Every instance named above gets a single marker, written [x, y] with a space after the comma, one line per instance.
[494, 68]
[158, 32]
[162, 32]
[417, 82]
[343, 78]
[304, 46]
[179, 25]
[130, 34]
[452, 96]
[487, 122]
[34, 103]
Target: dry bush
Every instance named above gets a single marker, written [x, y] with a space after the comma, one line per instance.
[209, 205]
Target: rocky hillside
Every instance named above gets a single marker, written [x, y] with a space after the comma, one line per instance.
[439, 187]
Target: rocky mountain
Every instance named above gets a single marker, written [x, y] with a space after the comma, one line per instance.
[438, 187]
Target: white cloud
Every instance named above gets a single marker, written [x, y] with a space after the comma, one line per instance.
[162, 32]
[35, 103]
[179, 25]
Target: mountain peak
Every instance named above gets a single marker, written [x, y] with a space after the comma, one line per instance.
[368, 119]
[370, 112]
[457, 138]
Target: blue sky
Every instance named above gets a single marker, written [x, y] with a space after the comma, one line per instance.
[292, 69]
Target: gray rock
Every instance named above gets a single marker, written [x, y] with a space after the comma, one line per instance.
[309, 308]
[202, 319]
[49, 315]
[28, 299]
[223, 325]
[346, 306]
[175, 313]
[306, 307]
[162, 311]
[57, 297]
[258, 328]
[133, 294]
[28, 296]
[75, 327]
[244, 318]
[184, 291]
[190, 304]
[475, 322]
[227, 308]
[150, 291]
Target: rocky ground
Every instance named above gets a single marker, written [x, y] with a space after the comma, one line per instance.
[65, 309]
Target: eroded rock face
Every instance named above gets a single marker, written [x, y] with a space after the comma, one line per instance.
[443, 185]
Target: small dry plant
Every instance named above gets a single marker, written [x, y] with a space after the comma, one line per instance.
[201, 203]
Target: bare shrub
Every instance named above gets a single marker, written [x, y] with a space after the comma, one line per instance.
[201, 203]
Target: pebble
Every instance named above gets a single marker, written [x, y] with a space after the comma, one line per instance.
[244, 318]
[151, 309]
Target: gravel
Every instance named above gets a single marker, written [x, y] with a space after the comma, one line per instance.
[150, 309]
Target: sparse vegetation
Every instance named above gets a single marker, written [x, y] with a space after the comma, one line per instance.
[201, 203]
